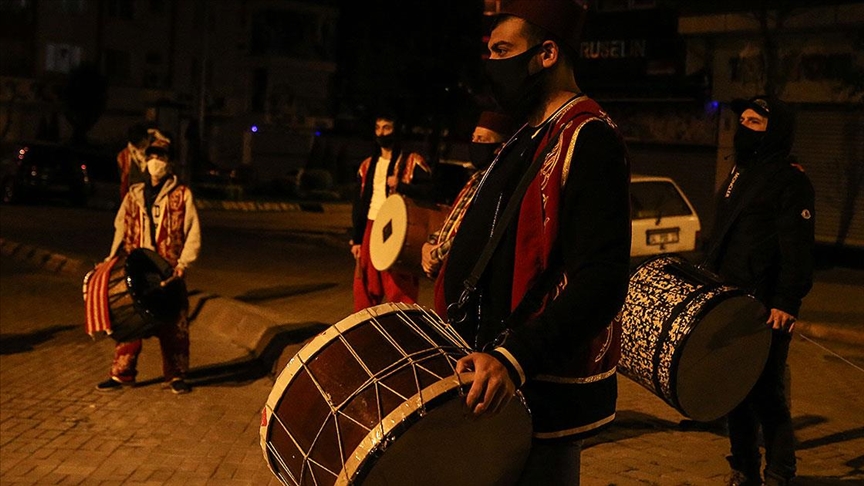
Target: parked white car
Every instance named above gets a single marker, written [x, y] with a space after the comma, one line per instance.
[662, 218]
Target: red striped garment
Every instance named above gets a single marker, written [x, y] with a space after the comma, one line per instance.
[98, 318]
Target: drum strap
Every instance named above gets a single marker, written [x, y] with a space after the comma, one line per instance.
[456, 312]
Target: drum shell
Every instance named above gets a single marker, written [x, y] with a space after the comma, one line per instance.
[137, 305]
[392, 401]
[406, 221]
[696, 343]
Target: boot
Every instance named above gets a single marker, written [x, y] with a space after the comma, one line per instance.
[742, 475]
[772, 479]
[738, 478]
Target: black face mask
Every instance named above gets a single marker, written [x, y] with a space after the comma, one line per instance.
[386, 141]
[482, 154]
[746, 143]
[514, 89]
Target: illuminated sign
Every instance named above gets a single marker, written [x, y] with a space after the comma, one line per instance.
[613, 49]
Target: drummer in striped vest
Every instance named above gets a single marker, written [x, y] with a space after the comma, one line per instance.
[492, 130]
[158, 214]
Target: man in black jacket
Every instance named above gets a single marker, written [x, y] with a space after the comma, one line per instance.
[763, 242]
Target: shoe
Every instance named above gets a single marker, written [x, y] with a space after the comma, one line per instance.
[113, 384]
[178, 386]
[738, 478]
[772, 479]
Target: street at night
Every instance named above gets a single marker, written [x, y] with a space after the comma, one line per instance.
[57, 429]
[432, 243]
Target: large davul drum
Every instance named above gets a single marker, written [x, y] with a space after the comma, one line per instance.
[696, 343]
[399, 231]
[375, 399]
[136, 292]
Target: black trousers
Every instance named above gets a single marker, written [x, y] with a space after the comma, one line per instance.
[765, 405]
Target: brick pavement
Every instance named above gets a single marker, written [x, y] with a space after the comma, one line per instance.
[56, 429]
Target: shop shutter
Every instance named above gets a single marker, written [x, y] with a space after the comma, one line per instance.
[829, 144]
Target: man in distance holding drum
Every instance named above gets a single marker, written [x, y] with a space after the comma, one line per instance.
[762, 241]
[492, 130]
[158, 214]
[389, 171]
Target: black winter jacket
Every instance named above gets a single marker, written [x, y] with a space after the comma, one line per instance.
[768, 247]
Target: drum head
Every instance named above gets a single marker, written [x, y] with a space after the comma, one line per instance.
[388, 233]
[449, 447]
[145, 269]
[722, 359]
[375, 399]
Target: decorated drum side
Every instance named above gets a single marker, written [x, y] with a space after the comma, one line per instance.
[399, 231]
[696, 343]
[137, 304]
[375, 399]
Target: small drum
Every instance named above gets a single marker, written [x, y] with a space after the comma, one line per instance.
[696, 343]
[399, 231]
[138, 300]
[375, 399]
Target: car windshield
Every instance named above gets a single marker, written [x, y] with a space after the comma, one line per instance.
[43, 156]
[655, 199]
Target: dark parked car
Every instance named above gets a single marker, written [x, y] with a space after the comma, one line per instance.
[43, 171]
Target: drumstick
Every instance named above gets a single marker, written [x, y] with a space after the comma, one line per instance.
[168, 280]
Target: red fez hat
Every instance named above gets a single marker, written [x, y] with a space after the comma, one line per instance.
[497, 122]
[562, 18]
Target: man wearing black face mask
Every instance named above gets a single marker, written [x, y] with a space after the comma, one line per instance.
[541, 314]
[763, 242]
[387, 172]
[492, 130]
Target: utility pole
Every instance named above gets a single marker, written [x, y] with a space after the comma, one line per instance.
[202, 92]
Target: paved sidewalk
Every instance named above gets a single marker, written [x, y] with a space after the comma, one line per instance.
[54, 429]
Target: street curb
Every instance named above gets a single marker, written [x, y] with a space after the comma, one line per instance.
[243, 324]
[817, 330]
[265, 206]
[44, 259]
[247, 325]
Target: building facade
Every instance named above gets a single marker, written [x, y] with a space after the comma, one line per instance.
[205, 71]
[813, 58]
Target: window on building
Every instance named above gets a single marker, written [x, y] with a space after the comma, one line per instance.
[152, 79]
[157, 7]
[153, 57]
[621, 5]
[123, 9]
[62, 58]
[74, 7]
[118, 65]
[289, 33]
[15, 5]
[259, 89]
